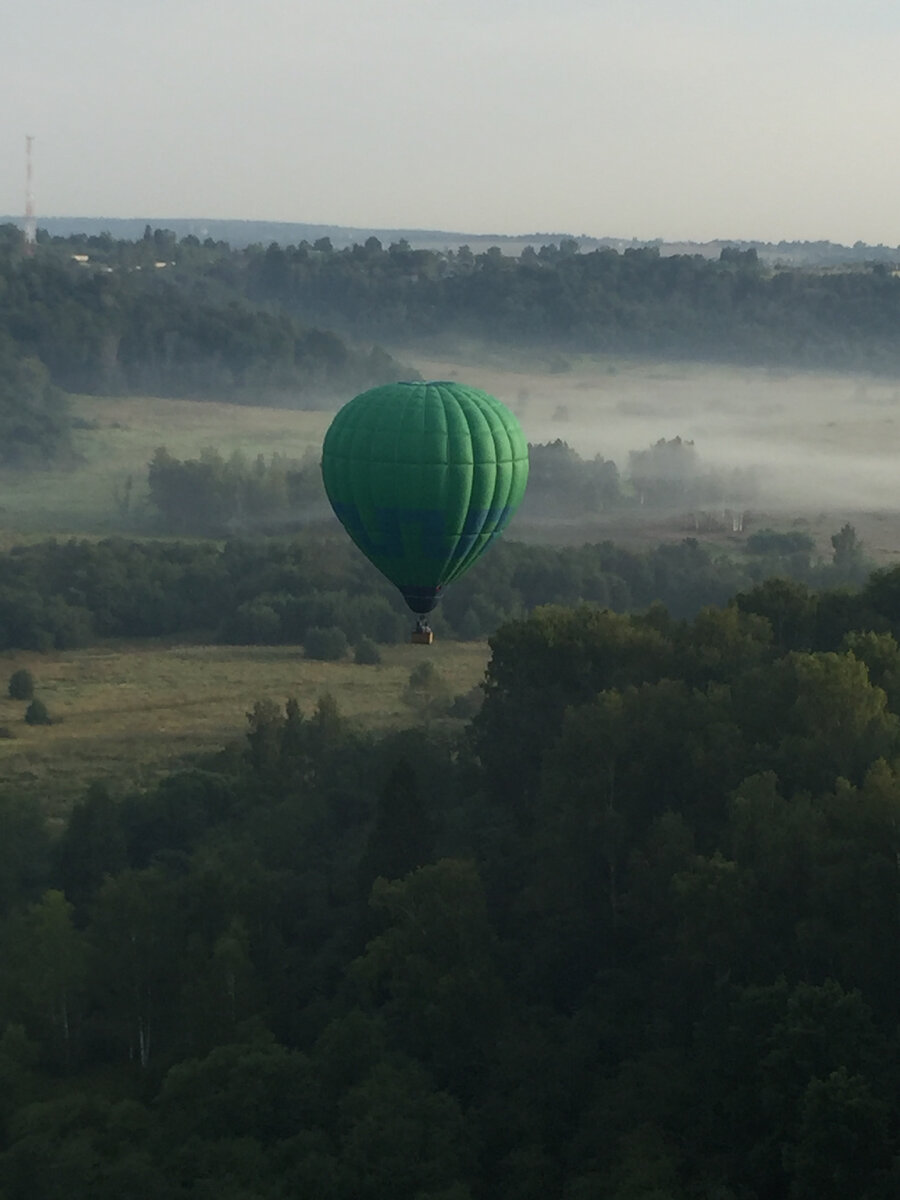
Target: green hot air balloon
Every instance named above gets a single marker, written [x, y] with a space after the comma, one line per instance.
[424, 476]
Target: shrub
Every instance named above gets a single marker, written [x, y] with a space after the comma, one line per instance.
[367, 653]
[36, 713]
[425, 678]
[427, 690]
[467, 704]
[327, 643]
[252, 624]
[21, 685]
[770, 541]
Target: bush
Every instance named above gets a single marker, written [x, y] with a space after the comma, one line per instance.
[425, 678]
[328, 644]
[367, 653]
[36, 713]
[770, 541]
[427, 690]
[252, 624]
[21, 685]
[467, 704]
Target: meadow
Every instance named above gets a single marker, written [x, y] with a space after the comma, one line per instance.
[820, 443]
[823, 447]
[126, 714]
[116, 441]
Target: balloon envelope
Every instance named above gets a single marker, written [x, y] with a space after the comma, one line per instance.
[424, 476]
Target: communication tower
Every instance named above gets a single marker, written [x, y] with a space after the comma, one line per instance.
[30, 223]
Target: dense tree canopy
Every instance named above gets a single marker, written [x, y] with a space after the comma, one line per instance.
[34, 419]
[129, 321]
[274, 590]
[655, 955]
[178, 317]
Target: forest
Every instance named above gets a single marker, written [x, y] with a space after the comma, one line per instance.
[65, 594]
[215, 496]
[145, 327]
[630, 932]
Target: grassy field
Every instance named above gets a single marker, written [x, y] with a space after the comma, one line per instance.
[118, 439]
[824, 446]
[130, 713]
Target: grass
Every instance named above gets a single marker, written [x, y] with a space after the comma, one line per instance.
[116, 441]
[129, 713]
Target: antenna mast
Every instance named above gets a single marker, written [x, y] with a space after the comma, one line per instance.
[30, 223]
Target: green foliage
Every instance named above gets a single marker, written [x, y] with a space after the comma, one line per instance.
[427, 689]
[24, 851]
[327, 643]
[402, 838]
[211, 495]
[560, 481]
[35, 426]
[366, 653]
[466, 705]
[92, 845]
[272, 590]
[633, 302]
[36, 713]
[46, 956]
[21, 685]
[424, 677]
[256, 324]
[848, 551]
[434, 969]
[122, 325]
[768, 541]
[633, 932]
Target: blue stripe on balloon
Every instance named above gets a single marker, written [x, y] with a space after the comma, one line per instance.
[386, 540]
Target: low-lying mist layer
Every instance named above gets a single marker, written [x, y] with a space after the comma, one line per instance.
[812, 441]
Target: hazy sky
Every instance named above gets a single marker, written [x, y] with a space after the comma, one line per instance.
[648, 118]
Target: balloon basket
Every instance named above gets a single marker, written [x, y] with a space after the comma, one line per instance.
[423, 637]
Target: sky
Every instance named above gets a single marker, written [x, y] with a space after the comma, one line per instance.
[674, 119]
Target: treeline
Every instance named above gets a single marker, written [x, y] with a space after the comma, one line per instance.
[216, 496]
[273, 591]
[212, 317]
[637, 302]
[633, 933]
[139, 328]
[89, 231]
[670, 474]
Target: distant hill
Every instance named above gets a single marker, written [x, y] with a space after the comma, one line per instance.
[239, 234]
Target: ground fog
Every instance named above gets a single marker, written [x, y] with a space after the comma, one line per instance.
[814, 447]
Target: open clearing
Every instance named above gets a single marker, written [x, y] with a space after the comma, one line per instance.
[118, 442]
[129, 714]
[818, 436]
[824, 447]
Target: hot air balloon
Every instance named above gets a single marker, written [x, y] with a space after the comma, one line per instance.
[424, 476]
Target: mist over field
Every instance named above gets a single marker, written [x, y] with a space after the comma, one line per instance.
[811, 440]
